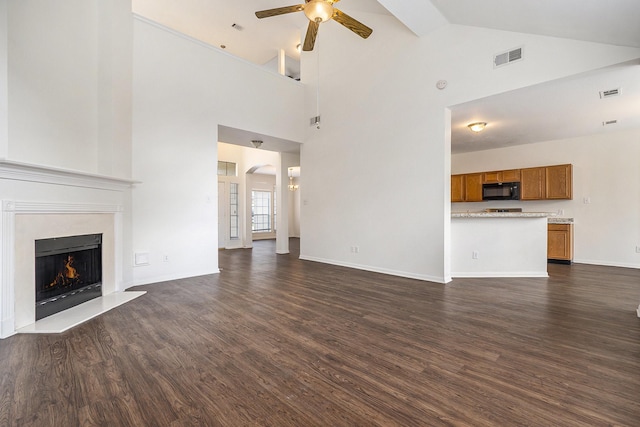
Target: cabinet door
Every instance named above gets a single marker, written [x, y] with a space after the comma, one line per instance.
[532, 184]
[457, 188]
[473, 187]
[491, 177]
[559, 182]
[560, 242]
[512, 175]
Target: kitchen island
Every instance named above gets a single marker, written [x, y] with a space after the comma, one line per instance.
[499, 244]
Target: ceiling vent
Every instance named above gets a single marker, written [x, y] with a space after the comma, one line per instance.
[609, 122]
[508, 57]
[609, 93]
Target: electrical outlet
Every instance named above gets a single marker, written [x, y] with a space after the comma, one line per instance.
[475, 255]
[355, 249]
[586, 200]
[560, 212]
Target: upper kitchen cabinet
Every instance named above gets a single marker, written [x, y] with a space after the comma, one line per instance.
[473, 187]
[512, 175]
[466, 187]
[532, 183]
[549, 182]
[457, 188]
[559, 182]
[540, 183]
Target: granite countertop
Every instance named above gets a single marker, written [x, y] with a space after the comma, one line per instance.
[560, 220]
[501, 214]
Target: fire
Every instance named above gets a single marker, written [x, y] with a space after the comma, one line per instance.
[68, 276]
[72, 273]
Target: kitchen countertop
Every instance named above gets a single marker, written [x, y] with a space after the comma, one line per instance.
[502, 214]
[560, 220]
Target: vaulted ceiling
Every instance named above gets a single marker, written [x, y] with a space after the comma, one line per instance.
[520, 117]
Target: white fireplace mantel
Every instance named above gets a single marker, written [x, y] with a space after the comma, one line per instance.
[45, 174]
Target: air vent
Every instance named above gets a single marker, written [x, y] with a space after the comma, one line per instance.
[609, 93]
[609, 122]
[505, 58]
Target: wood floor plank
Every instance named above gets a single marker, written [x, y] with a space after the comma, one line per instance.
[276, 341]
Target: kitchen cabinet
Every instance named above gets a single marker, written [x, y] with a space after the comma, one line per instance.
[473, 187]
[457, 188]
[558, 182]
[512, 175]
[560, 242]
[532, 183]
[539, 183]
[466, 187]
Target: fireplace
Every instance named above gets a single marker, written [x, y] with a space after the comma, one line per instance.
[68, 272]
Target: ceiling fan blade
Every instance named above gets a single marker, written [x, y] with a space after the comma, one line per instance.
[310, 39]
[356, 26]
[279, 11]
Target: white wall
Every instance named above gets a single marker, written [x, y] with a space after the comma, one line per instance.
[65, 89]
[605, 170]
[182, 91]
[69, 84]
[4, 83]
[376, 175]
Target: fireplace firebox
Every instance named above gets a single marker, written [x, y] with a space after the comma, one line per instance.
[68, 272]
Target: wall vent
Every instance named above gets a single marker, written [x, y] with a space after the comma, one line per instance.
[609, 122]
[609, 93]
[508, 57]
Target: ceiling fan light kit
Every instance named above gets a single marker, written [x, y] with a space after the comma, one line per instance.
[319, 11]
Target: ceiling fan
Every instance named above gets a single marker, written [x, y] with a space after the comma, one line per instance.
[319, 11]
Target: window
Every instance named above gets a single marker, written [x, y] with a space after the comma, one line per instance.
[261, 211]
[227, 169]
[234, 232]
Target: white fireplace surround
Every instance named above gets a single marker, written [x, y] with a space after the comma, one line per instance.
[25, 222]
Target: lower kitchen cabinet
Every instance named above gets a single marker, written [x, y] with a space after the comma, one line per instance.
[560, 243]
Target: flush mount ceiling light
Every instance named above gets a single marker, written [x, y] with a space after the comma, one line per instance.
[256, 143]
[477, 126]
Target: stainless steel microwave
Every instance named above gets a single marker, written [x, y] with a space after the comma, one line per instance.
[501, 191]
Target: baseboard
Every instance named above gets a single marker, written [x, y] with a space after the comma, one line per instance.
[606, 263]
[559, 261]
[494, 274]
[389, 272]
[170, 277]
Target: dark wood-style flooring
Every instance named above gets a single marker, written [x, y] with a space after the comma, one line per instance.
[276, 341]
